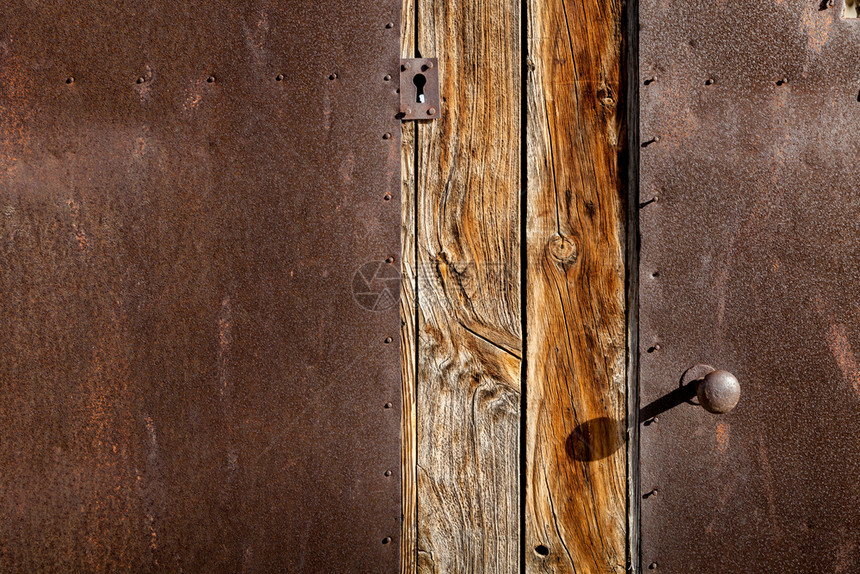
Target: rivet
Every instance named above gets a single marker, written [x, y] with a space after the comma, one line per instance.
[279, 78]
[388, 340]
[141, 80]
[387, 197]
[332, 76]
[386, 136]
[387, 77]
[407, 111]
[428, 66]
[404, 67]
[709, 81]
[431, 111]
[389, 259]
[210, 79]
[386, 540]
[782, 81]
[70, 80]
[390, 25]
[652, 566]
[651, 80]
[387, 405]
[387, 473]
[650, 494]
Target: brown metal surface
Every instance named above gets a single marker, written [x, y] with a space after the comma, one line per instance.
[750, 262]
[190, 380]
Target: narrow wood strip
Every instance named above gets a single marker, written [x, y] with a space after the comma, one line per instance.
[408, 340]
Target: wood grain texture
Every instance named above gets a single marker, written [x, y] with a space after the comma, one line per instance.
[576, 381]
[469, 329]
[408, 340]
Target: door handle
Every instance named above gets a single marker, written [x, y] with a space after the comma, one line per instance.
[718, 391]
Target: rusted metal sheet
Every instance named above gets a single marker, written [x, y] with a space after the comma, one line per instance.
[191, 378]
[750, 243]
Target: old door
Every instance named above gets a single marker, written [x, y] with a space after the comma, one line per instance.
[750, 263]
[199, 245]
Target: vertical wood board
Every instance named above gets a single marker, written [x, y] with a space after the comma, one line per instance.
[469, 339]
[576, 379]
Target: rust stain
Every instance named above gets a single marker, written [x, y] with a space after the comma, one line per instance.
[225, 339]
[144, 88]
[80, 235]
[193, 95]
[107, 462]
[767, 482]
[816, 28]
[723, 436]
[255, 38]
[840, 348]
[15, 106]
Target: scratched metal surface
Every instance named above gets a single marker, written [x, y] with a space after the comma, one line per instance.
[192, 376]
[750, 261]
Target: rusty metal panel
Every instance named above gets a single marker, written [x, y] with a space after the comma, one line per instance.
[199, 226]
[750, 262]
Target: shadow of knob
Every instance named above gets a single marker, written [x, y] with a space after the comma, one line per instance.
[719, 392]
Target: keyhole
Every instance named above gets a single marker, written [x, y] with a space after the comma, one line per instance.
[419, 80]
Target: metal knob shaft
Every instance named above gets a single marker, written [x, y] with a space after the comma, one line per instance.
[718, 392]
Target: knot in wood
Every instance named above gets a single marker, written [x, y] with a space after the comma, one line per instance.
[563, 249]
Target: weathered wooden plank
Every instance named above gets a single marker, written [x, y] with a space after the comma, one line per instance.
[408, 341]
[576, 460]
[469, 330]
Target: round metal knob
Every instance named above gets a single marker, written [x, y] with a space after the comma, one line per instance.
[719, 392]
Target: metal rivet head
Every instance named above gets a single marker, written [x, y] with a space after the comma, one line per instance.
[652, 566]
[211, 79]
[388, 340]
[390, 25]
[389, 259]
[386, 540]
[387, 405]
[387, 473]
[709, 81]
[431, 111]
[387, 197]
[332, 76]
[70, 80]
[387, 77]
[404, 67]
[386, 136]
[141, 80]
[279, 78]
